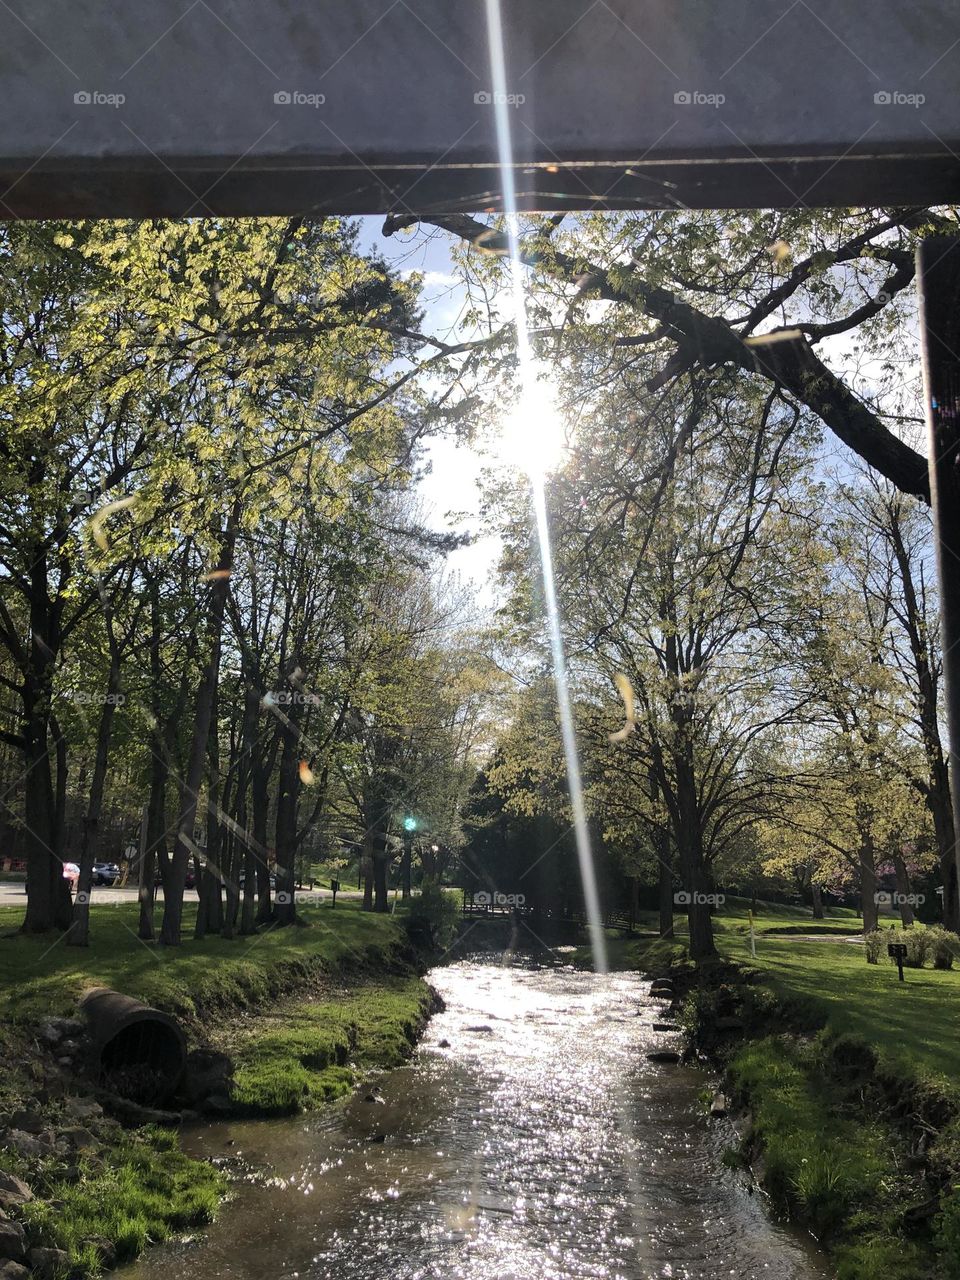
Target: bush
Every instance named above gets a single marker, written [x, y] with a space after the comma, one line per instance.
[919, 947]
[433, 916]
[945, 946]
[874, 943]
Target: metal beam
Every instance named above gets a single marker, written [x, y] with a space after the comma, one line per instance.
[279, 106]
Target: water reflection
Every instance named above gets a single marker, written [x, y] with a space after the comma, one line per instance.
[529, 1139]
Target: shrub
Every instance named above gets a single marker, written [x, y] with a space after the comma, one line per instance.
[433, 916]
[874, 943]
[919, 947]
[945, 946]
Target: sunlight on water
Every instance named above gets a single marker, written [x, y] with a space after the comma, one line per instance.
[529, 1139]
[531, 393]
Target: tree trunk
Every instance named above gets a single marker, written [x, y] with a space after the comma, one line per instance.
[868, 885]
[817, 896]
[941, 810]
[903, 891]
[690, 851]
[173, 894]
[665, 884]
[79, 932]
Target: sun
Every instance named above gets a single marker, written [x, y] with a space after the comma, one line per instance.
[532, 437]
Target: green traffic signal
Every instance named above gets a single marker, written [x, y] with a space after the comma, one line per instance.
[409, 824]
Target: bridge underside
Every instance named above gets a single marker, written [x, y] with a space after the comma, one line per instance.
[277, 107]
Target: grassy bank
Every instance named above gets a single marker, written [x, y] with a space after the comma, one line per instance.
[303, 1013]
[846, 1080]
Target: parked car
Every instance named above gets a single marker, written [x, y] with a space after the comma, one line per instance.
[241, 879]
[105, 873]
[189, 881]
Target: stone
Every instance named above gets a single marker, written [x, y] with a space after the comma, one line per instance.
[13, 1271]
[718, 1107]
[13, 1191]
[49, 1262]
[27, 1121]
[25, 1144]
[79, 1138]
[218, 1104]
[108, 1254]
[374, 1097]
[12, 1241]
[207, 1072]
[443, 1044]
[663, 1055]
[666, 1026]
[82, 1108]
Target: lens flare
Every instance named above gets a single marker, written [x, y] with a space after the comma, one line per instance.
[532, 438]
[529, 394]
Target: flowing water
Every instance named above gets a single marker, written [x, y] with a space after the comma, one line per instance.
[528, 1139]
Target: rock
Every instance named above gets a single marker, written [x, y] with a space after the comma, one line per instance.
[379, 1137]
[12, 1241]
[443, 1044]
[27, 1121]
[82, 1108]
[482, 1027]
[13, 1191]
[374, 1097]
[108, 1254]
[207, 1072]
[13, 1271]
[218, 1104]
[718, 1107]
[666, 1026]
[663, 1055]
[79, 1139]
[53, 1030]
[25, 1144]
[49, 1262]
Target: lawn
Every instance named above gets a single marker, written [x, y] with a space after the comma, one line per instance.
[41, 975]
[915, 1023]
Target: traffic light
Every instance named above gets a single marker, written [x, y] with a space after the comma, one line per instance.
[409, 823]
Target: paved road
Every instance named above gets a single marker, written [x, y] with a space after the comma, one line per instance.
[12, 894]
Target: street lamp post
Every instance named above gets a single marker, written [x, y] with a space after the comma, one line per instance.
[409, 827]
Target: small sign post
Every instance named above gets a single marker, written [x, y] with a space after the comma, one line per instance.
[334, 889]
[898, 950]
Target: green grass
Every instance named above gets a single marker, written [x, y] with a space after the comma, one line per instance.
[44, 976]
[363, 1010]
[314, 1052]
[915, 1024]
[827, 1160]
[146, 1191]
